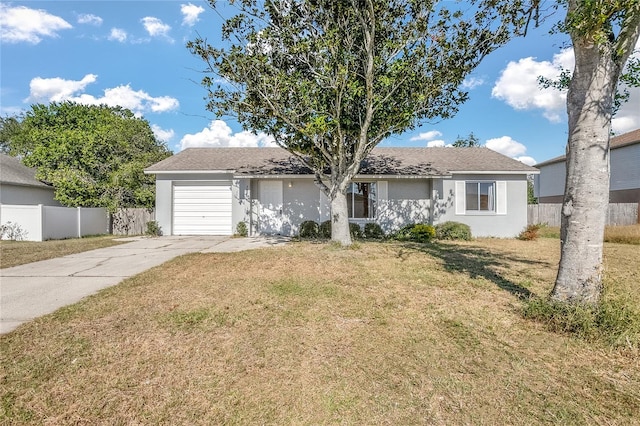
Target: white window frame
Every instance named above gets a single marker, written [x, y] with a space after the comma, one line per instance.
[499, 198]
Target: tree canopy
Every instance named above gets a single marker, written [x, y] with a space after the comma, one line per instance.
[471, 140]
[330, 79]
[93, 155]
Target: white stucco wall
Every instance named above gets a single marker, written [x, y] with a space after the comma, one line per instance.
[484, 224]
[27, 195]
[408, 201]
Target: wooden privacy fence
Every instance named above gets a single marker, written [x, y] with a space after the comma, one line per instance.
[618, 214]
[132, 221]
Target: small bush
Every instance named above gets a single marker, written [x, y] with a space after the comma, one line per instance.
[453, 231]
[12, 231]
[153, 229]
[422, 233]
[610, 321]
[325, 229]
[373, 230]
[309, 229]
[241, 229]
[355, 231]
[404, 233]
[530, 233]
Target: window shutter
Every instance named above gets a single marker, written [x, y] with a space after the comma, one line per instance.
[383, 190]
[460, 197]
[501, 197]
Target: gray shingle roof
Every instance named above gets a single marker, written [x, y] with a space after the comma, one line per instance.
[12, 171]
[629, 138]
[382, 161]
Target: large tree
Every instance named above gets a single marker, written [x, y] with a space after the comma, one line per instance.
[330, 79]
[94, 155]
[603, 34]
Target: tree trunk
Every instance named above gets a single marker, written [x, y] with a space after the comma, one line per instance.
[340, 219]
[584, 209]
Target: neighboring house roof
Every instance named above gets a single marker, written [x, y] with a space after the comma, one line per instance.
[13, 172]
[625, 139]
[382, 161]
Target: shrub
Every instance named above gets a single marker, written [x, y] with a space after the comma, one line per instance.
[453, 231]
[12, 231]
[309, 229]
[325, 229]
[404, 233]
[529, 233]
[422, 233]
[373, 230]
[355, 231]
[241, 229]
[612, 321]
[153, 229]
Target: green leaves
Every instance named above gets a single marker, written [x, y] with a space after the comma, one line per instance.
[93, 155]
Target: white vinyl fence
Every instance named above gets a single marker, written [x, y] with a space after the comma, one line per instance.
[617, 214]
[40, 223]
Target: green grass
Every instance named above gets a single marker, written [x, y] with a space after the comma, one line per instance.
[14, 253]
[384, 333]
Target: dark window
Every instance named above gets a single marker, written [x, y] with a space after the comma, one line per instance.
[361, 200]
[480, 196]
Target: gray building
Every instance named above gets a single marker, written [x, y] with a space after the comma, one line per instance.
[204, 191]
[624, 179]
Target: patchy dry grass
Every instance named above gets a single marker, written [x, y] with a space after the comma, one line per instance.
[628, 234]
[13, 253]
[387, 333]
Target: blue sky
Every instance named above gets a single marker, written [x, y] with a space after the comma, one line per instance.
[132, 53]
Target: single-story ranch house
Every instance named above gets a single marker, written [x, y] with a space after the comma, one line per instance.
[208, 191]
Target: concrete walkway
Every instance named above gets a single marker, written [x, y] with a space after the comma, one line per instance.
[35, 289]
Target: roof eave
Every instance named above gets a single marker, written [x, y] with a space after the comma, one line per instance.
[187, 172]
[497, 172]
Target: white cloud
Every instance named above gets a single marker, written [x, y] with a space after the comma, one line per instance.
[20, 23]
[470, 83]
[219, 134]
[57, 89]
[518, 85]
[505, 145]
[162, 134]
[190, 13]
[118, 34]
[529, 161]
[426, 136]
[89, 19]
[138, 101]
[155, 27]
[435, 143]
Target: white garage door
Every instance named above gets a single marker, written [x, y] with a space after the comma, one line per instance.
[202, 209]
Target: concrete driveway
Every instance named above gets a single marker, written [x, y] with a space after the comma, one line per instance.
[35, 289]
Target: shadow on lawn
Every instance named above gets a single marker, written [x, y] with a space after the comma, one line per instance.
[477, 262]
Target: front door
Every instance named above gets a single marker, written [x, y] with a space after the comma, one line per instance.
[270, 217]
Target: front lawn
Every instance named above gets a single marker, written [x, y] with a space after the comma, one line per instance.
[14, 253]
[384, 333]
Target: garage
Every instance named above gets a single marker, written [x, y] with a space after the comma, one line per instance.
[202, 209]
